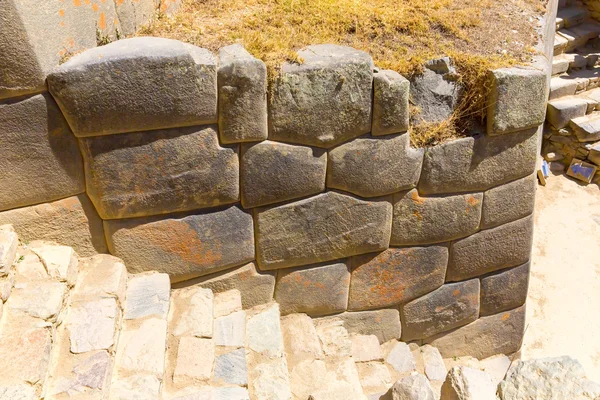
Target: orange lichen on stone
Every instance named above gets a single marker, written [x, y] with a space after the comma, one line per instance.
[76, 3]
[95, 7]
[505, 317]
[61, 12]
[102, 21]
[416, 198]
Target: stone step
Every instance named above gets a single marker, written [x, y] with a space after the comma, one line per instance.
[561, 111]
[586, 128]
[572, 16]
[594, 153]
[560, 44]
[574, 40]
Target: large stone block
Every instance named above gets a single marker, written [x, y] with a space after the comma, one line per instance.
[372, 167]
[325, 100]
[505, 290]
[478, 163]
[72, 222]
[134, 14]
[508, 202]
[395, 276]
[137, 84]
[242, 83]
[495, 334]
[316, 290]
[385, 324]
[326, 227]
[390, 103]
[517, 100]
[35, 36]
[423, 220]
[256, 287]
[183, 247]
[490, 250]
[158, 172]
[40, 158]
[446, 308]
[272, 172]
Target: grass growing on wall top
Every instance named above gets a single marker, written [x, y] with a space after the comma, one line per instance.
[398, 34]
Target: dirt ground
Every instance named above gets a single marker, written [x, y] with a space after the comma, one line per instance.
[563, 306]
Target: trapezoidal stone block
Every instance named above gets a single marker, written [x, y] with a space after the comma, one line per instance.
[517, 100]
[184, 247]
[478, 163]
[395, 276]
[272, 172]
[137, 84]
[385, 323]
[423, 220]
[159, 172]
[256, 287]
[448, 307]
[35, 36]
[504, 290]
[509, 202]
[325, 227]
[491, 250]
[371, 167]
[495, 334]
[242, 84]
[40, 158]
[390, 103]
[314, 290]
[72, 222]
[324, 101]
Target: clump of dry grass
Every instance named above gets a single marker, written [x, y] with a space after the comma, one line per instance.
[399, 34]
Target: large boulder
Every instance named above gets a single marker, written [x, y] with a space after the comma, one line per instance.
[371, 167]
[158, 172]
[465, 383]
[325, 100]
[325, 227]
[183, 247]
[273, 172]
[242, 83]
[413, 387]
[395, 276]
[40, 159]
[137, 84]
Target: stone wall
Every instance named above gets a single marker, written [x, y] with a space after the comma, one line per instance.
[311, 196]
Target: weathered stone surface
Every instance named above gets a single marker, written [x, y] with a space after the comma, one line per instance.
[300, 339]
[490, 250]
[273, 172]
[371, 167]
[464, 383]
[401, 358]
[28, 268]
[423, 220]
[315, 290]
[270, 381]
[322, 228]
[100, 276]
[9, 241]
[324, 101]
[593, 156]
[184, 247]
[478, 163]
[60, 262]
[365, 348]
[40, 299]
[395, 276]
[548, 378]
[385, 324]
[18, 392]
[91, 325]
[433, 364]
[147, 295]
[412, 387]
[435, 92]
[148, 173]
[85, 375]
[496, 366]
[374, 377]
[143, 386]
[517, 100]
[230, 330]
[563, 110]
[191, 312]
[242, 84]
[263, 331]
[195, 359]
[231, 368]
[41, 160]
[141, 348]
[256, 287]
[333, 336]
[508, 202]
[72, 221]
[309, 376]
[133, 14]
[495, 334]
[137, 84]
[504, 290]
[228, 302]
[450, 306]
[36, 36]
[390, 103]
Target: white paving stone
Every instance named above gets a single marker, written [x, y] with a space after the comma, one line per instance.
[17, 392]
[227, 302]
[6, 284]
[263, 332]
[309, 376]
[40, 299]
[83, 375]
[101, 276]
[231, 368]
[270, 381]
[29, 267]
[191, 312]
[195, 359]
[365, 348]
[374, 377]
[435, 369]
[135, 387]
[9, 241]
[496, 366]
[334, 338]
[300, 339]
[230, 330]
[401, 358]
[147, 295]
[91, 325]
[142, 349]
[60, 261]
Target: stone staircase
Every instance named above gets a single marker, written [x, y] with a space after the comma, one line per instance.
[573, 117]
[86, 329]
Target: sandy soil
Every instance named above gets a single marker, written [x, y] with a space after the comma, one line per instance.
[563, 306]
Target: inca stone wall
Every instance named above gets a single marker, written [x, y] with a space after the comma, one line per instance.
[176, 160]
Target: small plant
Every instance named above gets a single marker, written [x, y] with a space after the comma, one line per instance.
[102, 39]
